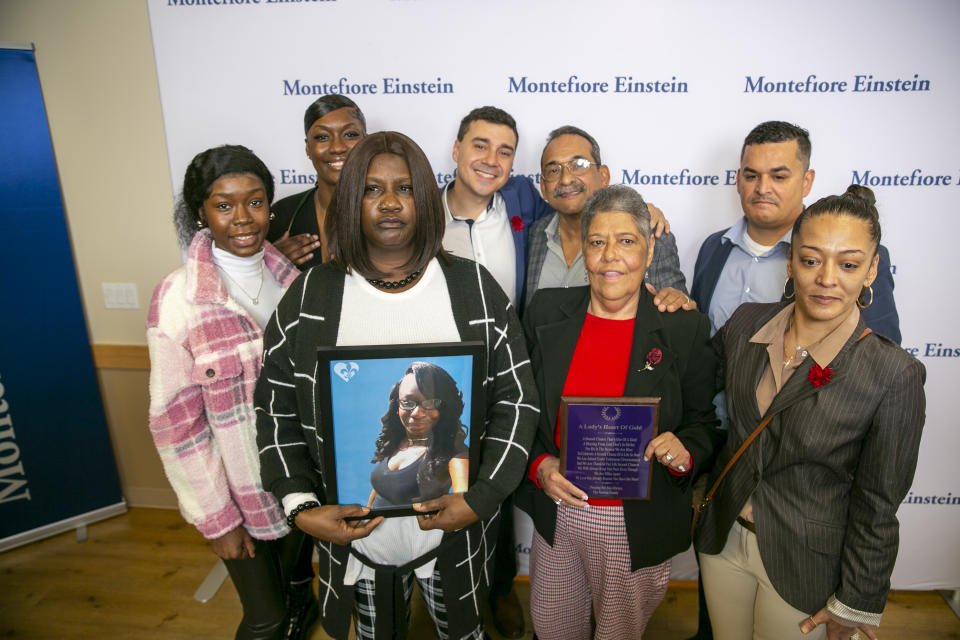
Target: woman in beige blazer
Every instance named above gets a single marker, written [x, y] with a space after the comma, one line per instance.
[801, 537]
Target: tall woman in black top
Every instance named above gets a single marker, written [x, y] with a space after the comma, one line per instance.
[332, 124]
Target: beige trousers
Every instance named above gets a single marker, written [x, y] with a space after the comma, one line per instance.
[742, 602]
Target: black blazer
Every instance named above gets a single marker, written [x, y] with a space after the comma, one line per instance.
[684, 380]
[830, 470]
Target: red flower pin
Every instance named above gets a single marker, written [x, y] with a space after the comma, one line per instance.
[653, 357]
[819, 377]
[516, 222]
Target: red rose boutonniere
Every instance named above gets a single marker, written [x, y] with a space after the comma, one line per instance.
[653, 357]
[819, 377]
[517, 223]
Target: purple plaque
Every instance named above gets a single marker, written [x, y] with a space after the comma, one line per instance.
[603, 443]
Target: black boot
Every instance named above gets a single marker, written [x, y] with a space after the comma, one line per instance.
[302, 611]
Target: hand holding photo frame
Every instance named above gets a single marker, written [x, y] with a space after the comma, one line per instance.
[400, 419]
[602, 445]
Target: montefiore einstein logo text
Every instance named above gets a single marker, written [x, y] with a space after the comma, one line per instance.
[860, 83]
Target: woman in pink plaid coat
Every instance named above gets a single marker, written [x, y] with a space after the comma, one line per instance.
[204, 331]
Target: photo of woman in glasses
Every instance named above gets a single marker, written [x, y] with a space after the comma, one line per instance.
[421, 452]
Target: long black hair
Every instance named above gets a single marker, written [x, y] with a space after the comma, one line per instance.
[448, 434]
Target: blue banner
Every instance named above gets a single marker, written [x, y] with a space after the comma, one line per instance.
[56, 464]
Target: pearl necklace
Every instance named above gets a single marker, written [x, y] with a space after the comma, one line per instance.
[800, 353]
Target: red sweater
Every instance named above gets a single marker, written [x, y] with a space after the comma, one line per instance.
[598, 368]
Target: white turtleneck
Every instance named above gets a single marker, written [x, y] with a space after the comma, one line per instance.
[246, 279]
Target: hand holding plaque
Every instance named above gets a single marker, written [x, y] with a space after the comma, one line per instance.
[605, 442]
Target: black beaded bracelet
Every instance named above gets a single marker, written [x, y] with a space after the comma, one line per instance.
[303, 506]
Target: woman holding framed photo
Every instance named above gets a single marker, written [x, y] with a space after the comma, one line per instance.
[390, 282]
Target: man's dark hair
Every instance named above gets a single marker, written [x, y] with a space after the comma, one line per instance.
[779, 131]
[489, 114]
[343, 225]
[570, 130]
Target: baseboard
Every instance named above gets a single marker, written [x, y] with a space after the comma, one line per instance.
[120, 356]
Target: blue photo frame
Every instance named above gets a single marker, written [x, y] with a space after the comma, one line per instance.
[375, 460]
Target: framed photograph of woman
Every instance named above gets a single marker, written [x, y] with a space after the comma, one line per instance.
[400, 418]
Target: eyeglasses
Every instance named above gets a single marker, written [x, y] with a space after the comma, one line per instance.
[577, 167]
[427, 404]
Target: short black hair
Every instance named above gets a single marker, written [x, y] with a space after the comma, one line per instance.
[331, 102]
[205, 169]
[489, 114]
[779, 131]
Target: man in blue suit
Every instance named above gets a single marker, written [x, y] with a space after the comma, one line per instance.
[489, 213]
[488, 219]
[748, 261]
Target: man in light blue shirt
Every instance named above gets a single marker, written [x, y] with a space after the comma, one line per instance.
[753, 273]
[748, 262]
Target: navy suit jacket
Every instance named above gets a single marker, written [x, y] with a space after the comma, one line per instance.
[523, 201]
[881, 316]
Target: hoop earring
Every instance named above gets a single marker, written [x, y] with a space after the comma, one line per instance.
[785, 283]
[861, 304]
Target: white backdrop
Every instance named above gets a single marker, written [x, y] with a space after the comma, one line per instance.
[243, 71]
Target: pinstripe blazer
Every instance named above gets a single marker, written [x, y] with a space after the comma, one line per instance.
[664, 270]
[830, 470]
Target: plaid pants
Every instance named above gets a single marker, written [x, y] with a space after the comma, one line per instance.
[587, 567]
[365, 612]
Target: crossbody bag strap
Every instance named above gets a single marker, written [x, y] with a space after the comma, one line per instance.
[753, 436]
[736, 456]
[743, 447]
[699, 509]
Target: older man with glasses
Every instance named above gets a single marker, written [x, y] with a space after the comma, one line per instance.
[571, 170]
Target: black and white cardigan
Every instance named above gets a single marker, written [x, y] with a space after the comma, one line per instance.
[292, 448]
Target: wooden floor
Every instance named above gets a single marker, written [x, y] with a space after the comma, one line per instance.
[135, 576]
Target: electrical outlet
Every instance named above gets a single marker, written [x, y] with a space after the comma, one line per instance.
[120, 295]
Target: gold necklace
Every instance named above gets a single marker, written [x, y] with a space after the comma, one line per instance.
[254, 299]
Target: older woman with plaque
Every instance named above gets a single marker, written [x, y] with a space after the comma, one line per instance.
[607, 341]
